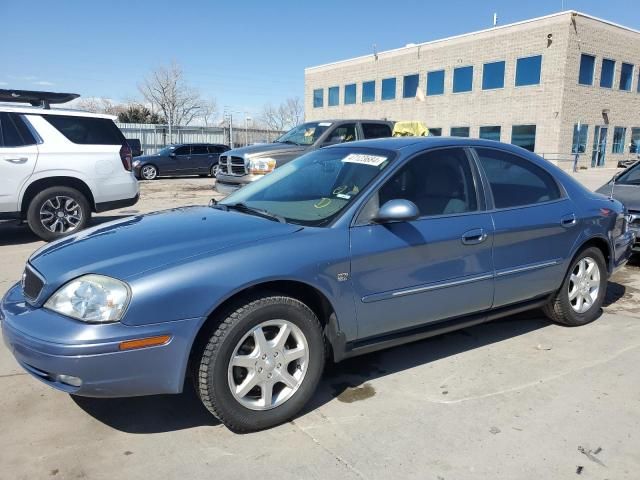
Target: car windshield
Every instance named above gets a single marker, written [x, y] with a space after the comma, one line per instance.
[305, 134]
[166, 150]
[313, 189]
[631, 176]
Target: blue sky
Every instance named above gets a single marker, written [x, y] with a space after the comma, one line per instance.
[243, 53]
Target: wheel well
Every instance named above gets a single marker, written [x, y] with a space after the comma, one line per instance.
[601, 244]
[310, 296]
[39, 185]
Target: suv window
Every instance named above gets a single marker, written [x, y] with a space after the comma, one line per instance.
[343, 133]
[515, 181]
[199, 150]
[216, 149]
[376, 130]
[14, 132]
[438, 182]
[185, 150]
[87, 130]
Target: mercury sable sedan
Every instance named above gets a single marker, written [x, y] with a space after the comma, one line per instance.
[343, 251]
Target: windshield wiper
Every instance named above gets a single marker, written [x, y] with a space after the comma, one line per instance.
[244, 208]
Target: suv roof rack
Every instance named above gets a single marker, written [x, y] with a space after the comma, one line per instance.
[35, 98]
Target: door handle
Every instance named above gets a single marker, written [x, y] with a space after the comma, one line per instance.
[474, 237]
[17, 160]
[568, 220]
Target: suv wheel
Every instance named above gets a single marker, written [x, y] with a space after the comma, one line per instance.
[214, 170]
[149, 172]
[261, 364]
[580, 298]
[58, 211]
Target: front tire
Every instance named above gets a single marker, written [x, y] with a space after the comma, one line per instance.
[261, 364]
[57, 212]
[579, 300]
[148, 172]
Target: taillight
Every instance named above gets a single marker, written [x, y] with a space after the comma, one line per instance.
[125, 156]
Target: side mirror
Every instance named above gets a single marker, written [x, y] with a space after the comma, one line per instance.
[398, 210]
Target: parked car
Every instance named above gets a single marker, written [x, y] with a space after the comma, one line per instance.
[241, 166]
[182, 159]
[343, 251]
[58, 166]
[627, 190]
[135, 146]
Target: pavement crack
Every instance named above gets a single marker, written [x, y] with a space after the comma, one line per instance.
[13, 374]
[340, 459]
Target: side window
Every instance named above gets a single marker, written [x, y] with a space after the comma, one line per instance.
[182, 150]
[343, 133]
[14, 131]
[87, 130]
[438, 182]
[516, 181]
[216, 149]
[376, 130]
[199, 150]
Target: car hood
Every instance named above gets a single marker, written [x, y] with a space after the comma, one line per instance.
[628, 195]
[130, 246]
[266, 149]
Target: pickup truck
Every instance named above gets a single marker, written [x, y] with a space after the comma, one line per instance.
[240, 166]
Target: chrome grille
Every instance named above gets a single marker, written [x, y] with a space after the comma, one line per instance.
[32, 283]
[233, 165]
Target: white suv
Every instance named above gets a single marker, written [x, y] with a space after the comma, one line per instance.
[57, 166]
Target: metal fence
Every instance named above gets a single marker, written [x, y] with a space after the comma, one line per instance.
[154, 137]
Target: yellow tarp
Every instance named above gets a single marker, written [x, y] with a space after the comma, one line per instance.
[410, 129]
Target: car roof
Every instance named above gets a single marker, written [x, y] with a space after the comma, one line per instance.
[29, 110]
[399, 143]
[351, 120]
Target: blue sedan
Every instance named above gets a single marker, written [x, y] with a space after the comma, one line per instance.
[346, 250]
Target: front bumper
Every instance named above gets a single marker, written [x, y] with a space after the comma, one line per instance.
[48, 345]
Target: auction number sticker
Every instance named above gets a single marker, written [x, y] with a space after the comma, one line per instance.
[373, 160]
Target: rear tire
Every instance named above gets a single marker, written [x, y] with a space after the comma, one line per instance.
[214, 170]
[57, 212]
[579, 300]
[148, 172]
[261, 364]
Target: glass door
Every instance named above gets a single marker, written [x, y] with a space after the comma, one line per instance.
[599, 146]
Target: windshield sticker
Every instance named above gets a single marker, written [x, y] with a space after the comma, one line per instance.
[343, 196]
[323, 202]
[324, 124]
[373, 160]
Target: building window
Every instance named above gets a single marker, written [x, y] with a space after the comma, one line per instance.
[579, 143]
[334, 96]
[350, 94]
[587, 67]
[634, 147]
[490, 133]
[435, 132]
[493, 75]
[528, 70]
[435, 82]
[626, 77]
[388, 89]
[524, 136]
[410, 86]
[368, 91]
[318, 98]
[459, 131]
[618, 139]
[462, 79]
[606, 75]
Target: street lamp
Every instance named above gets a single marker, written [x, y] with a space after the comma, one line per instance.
[246, 130]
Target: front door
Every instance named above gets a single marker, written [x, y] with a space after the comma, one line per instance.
[438, 266]
[599, 146]
[18, 155]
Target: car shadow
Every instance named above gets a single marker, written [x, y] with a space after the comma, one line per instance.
[165, 413]
[16, 233]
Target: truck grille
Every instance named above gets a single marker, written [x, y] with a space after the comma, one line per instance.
[32, 283]
[233, 165]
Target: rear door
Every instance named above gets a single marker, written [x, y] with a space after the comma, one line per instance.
[182, 161]
[535, 226]
[18, 156]
[438, 266]
[201, 158]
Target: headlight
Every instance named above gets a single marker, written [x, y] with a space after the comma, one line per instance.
[136, 163]
[91, 298]
[261, 166]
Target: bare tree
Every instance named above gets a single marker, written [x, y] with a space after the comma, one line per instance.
[99, 105]
[209, 113]
[288, 114]
[167, 91]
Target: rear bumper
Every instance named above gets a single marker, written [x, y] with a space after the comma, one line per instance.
[622, 249]
[105, 370]
[116, 204]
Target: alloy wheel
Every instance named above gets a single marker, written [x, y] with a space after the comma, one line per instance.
[584, 285]
[268, 365]
[60, 214]
[149, 172]
[215, 170]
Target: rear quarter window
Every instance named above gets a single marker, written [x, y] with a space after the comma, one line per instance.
[87, 130]
[376, 130]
